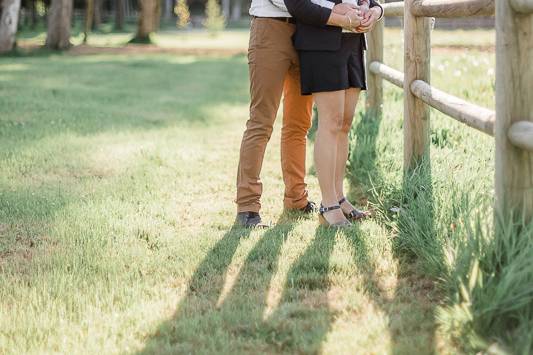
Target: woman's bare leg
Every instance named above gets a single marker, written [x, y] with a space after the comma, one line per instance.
[350, 102]
[330, 107]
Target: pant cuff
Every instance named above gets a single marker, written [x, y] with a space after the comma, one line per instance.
[248, 208]
[295, 206]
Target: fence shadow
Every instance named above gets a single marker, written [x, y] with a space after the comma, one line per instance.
[303, 318]
[227, 317]
[413, 226]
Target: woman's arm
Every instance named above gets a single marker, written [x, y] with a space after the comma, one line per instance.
[320, 12]
[322, 3]
[373, 4]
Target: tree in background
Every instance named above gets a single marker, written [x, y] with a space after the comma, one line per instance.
[168, 9]
[97, 21]
[236, 10]
[147, 21]
[120, 7]
[226, 8]
[59, 18]
[184, 15]
[89, 12]
[214, 21]
[157, 16]
[9, 15]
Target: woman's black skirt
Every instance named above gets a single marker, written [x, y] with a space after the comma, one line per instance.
[334, 70]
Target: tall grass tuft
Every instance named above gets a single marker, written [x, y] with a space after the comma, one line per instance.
[491, 287]
[441, 217]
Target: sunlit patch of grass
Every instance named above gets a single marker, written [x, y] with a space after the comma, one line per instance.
[116, 217]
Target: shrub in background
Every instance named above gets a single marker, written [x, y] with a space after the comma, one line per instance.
[181, 10]
[215, 20]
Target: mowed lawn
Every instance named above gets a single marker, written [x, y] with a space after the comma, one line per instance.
[117, 178]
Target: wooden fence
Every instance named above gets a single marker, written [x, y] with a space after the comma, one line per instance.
[511, 124]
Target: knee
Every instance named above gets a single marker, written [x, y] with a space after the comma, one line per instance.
[332, 123]
[291, 126]
[346, 124]
[259, 128]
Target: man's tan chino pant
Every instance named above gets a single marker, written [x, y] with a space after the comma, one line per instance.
[274, 70]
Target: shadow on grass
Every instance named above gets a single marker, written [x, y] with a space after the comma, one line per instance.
[414, 231]
[303, 318]
[209, 321]
[200, 300]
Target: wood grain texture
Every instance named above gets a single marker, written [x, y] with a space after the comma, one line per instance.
[374, 93]
[514, 103]
[392, 75]
[522, 6]
[9, 15]
[393, 9]
[521, 135]
[59, 24]
[457, 8]
[472, 115]
[417, 67]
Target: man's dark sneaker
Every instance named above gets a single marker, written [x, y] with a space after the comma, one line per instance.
[250, 220]
[309, 208]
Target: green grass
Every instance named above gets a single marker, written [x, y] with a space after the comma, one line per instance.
[116, 221]
[445, 222]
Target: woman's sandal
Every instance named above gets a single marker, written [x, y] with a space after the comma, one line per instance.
[354, 215]
[323, 221]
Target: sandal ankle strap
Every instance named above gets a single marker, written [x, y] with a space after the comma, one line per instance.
[342, 200]
[323, 209]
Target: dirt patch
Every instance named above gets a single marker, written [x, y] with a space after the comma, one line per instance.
[152, 49]
[134, 49]
[138, 49]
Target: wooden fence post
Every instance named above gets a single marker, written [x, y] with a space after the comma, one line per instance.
[374, 93]
[417, 42]
[514, 102]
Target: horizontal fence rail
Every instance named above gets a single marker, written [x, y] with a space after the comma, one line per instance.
[457, 8]
[522, 6]
[390, 74]
[393, 9]
[512, 122]
[521, 135]
[472, 115]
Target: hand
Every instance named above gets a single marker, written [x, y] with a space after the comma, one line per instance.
[343, 8]
[369, 20]
[364, 8]
[353, 20]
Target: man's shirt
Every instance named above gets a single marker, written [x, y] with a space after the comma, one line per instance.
[277, 8]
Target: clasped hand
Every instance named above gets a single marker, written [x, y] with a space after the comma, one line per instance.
[359, 18]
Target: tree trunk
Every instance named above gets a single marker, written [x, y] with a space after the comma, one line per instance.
[168, 9]
[226, 8]
[236, 11]
[33, 14]
[119, 14]
[89, 13]
[59, 17]
[157, 15]
[9, 14]
[97, 14]
[146, 23]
